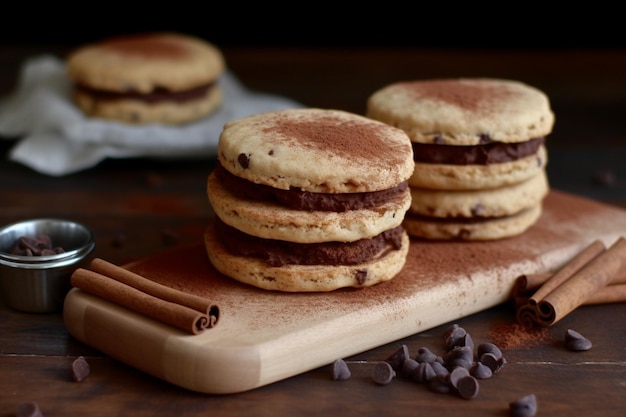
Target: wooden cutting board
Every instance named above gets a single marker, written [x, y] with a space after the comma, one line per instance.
[265, 336]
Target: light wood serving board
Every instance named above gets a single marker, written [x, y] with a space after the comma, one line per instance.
[264, 336]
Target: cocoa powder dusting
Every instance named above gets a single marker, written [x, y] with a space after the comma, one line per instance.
[470, 95]
[516, 336]
[365, 140]
[147, 45]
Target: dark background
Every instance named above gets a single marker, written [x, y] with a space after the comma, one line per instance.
[434, 24]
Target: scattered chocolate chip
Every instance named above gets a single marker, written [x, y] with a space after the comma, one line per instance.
[340, 370]
[460, 356]
[468, 387]
[439, 368]
[454, 337]
[397, 358]
[408, 367]
[439, 384]
[425, 355]
[80, 369]
[481, 371]
[383, 373]
[523, 407]
[423, 373]
[244, 160]
[576, 341]
[456, 375]
[28, 409]
[488, 347]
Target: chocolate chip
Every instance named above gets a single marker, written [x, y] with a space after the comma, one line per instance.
[454, 336]
[383, 373]
[423, 373]
[438, 140]
[80, 369]
[478, 209]
[425, 355]
[456, 375]
[468, 387]
[35, 246]
[408, 367]
[490, 360]
[340, 370]
[460, 356]
[481, 371]
[28, 409]
[484, 138]
[244, 160]
[439, 384]
[397, 358]
[523, 407]
[361, 276]
[576, 341]
[488, 347]
[439, 368]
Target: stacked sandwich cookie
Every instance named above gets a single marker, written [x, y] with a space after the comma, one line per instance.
[480, 154]
[309, 200]
[167, 78]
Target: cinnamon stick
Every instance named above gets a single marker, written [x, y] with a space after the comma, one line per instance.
[123, 287]
[596, 275]
[593, 276]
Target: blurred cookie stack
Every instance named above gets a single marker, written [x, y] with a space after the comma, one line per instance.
[479, 150]
[167, 78]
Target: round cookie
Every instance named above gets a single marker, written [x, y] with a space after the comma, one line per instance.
[464, 111]
[486, 203]
[472, 230]
[310, 200]
[167, 77]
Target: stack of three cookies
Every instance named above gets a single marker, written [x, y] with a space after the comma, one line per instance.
[480, 155]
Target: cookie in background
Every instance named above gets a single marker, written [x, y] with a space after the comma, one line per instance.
[165, 77]
[479, 150]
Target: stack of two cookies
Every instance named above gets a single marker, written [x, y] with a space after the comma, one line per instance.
[480, 155]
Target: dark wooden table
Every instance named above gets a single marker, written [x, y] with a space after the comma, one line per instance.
[139, 207]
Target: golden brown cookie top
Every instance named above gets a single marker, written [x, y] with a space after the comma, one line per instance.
[317, 150]
[464, 111]
[145, 62]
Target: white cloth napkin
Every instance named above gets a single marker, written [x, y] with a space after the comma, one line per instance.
[56, 138]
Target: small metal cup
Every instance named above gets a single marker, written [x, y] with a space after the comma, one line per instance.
[39, 284]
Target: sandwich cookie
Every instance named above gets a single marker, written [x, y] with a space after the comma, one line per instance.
[309, 200]
[167, 78]
[480, 154]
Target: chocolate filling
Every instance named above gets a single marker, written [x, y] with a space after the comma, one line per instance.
[279, 252]
[485, 154]
[476, 219]
[157, 95]
[297, 199]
